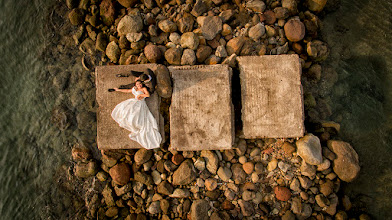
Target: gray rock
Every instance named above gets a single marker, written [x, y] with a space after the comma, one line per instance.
[212, 26]
[211, 159]
[346, 164]
[154, 208]
[185, 174]
[188, 57]
[130, 24]
[306, 183]
[294, 185]
[309, 149]
[224, 173]
[113, 51]
[257, 31]
[246, 208]
[134, 37]
[167, 26]
[199, 210]
[221, 51]
[189, 40]
[239, 174]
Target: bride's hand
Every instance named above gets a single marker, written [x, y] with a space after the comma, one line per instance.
[139, 97]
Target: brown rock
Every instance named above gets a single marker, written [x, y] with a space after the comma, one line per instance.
[177, 159]
[268, 17]
[76, 16]
[167, 26]
[152, 53]
[107, 12]
[346, 164]
[227, 205]
[238, 173]
[173, 56]
[165, 188]
[288, 148]
[212, 25]
[246, 208]
[317, 50]
[235, 45]
[127, 3]
[199, 210]
[294, 30]
[142, 156]
[281, 12]
[316, 5]
[85, 170]
[248, 167]
[282, 193]
[327, 188]
[164, 85]
[185, 24]
[80, 153]
[121, 173]
[211, 184]
[202, 53]
[185, 173]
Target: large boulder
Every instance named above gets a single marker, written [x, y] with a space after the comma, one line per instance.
[189, 40]
[294, 30]
[173, 56]
[121, 173]
[199, 210]
[235, 45]
[152, 53]
[164, 85]
[167, 26]
[185, 173]
[185, 24]
[113, 51]
[309, 149]
[130, 24]
[346, 164]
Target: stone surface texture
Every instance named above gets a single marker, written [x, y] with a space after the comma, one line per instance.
[109, 134]
[201, 119]
[271, 91]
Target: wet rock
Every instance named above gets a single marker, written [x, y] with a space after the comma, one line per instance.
[282, 193]
[211, 184]
[107, 12]
[185, 173]
[307, 169]
[212, 25]
[346, 203]
[165, 188]
[224, 173]
[188, 57]
[180, 193]
[113, 51]
[76, 16]
[185, 24]
[199, 8]
[294, 30]
[154, 208]
[257, 31]
[101, 42]
[87, 46]
[211, 159]
[199, 210]
[316, 5]
[72, 3]
[189, 40]
[130, 24]
[80, 153]
[239, 174]
[142, 156]
[235, 45]
[281, 12]
[120, 173]
[346, 164]
[85, 170]
[202, 53]
[167, 26]
[127, 3]
[309, 149]
[246, 208]
[164, 86]
[317, 50]
[256, 6]
[152, 53]
[173, 56]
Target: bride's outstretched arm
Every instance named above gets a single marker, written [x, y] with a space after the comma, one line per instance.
[123, 90]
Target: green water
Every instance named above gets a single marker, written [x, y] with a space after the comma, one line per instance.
[32, 149]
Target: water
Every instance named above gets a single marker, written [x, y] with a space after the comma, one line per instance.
[38, 74]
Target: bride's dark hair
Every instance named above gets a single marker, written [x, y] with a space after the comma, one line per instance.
[143, 85]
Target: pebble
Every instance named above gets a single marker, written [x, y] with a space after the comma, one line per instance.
[322, 201]
[156, 177]
[247, 208]
[188, 57]
[212, 25]
[180, 193]
[224, 174]
[283, 166]
[239, 174]
[324, 165]
[242, 159]
[185, 173]
[200, 164]
[248, 167]
[210, 184]
[129, 24]
[154, 208]
[221, 51]
[272, 165]
[175, 38]
[211, 160]
[309, 149]
[256, 6]
[282, 193]
[173, 56]
[346, 164]
[167, 26]
[306, 183]
[152, 53]
[294, 185]
[189, 40]
[308, 170]
[294, 30]
[257, 31]
[120, 173]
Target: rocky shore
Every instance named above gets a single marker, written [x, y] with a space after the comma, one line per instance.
[257, 179]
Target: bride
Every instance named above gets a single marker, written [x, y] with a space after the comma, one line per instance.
[133, 114]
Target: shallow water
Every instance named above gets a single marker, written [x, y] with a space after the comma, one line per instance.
[32, 149]
[360, 36]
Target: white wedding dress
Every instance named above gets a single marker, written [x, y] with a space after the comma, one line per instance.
[134, 115]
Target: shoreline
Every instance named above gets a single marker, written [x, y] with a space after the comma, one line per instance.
[253, 153]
